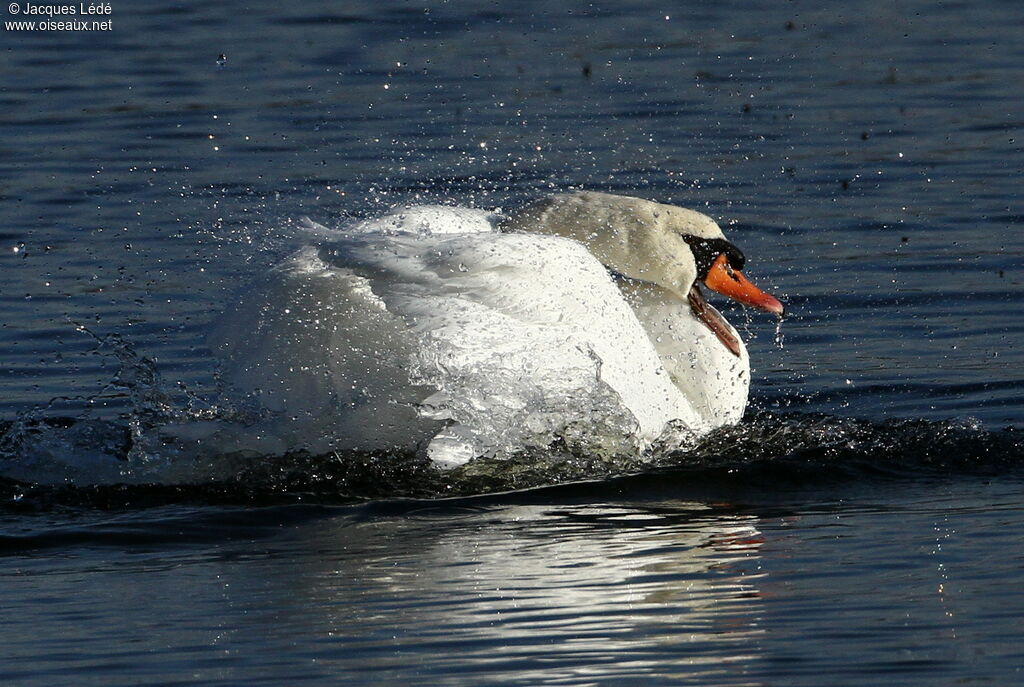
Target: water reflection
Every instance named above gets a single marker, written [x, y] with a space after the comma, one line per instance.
[532, 593]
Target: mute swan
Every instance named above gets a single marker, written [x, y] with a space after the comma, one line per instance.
[463, 334]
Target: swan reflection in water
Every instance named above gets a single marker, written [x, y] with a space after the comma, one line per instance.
[541, 592]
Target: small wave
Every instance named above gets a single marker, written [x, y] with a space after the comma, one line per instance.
[766, 449]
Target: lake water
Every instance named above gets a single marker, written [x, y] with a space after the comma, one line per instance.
[859, 528]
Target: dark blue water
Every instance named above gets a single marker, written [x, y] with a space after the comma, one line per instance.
[859, 528]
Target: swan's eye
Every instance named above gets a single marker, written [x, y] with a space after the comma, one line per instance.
[706, 251]
[734, 257]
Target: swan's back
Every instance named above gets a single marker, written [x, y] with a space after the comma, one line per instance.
[462, 342]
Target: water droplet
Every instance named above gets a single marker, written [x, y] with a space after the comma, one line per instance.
[778, 333]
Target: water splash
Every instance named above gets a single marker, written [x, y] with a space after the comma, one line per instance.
[768, 450]
[138, 459]
[87, 450]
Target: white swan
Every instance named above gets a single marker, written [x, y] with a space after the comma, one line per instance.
[462, 334]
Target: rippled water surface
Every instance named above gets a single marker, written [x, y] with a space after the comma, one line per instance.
[859, 528]
[622, 583]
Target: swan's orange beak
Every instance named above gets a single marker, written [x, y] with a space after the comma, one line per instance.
[729, 282]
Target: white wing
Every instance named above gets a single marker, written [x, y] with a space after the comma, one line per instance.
[466, 343]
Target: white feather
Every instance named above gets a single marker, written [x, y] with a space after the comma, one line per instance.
[427, 329]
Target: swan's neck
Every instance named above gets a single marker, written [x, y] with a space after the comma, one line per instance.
[714, 379]
[631, 237]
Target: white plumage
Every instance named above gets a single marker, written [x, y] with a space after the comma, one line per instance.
[432, 329]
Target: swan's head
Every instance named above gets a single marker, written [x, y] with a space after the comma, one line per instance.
[673, 247]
